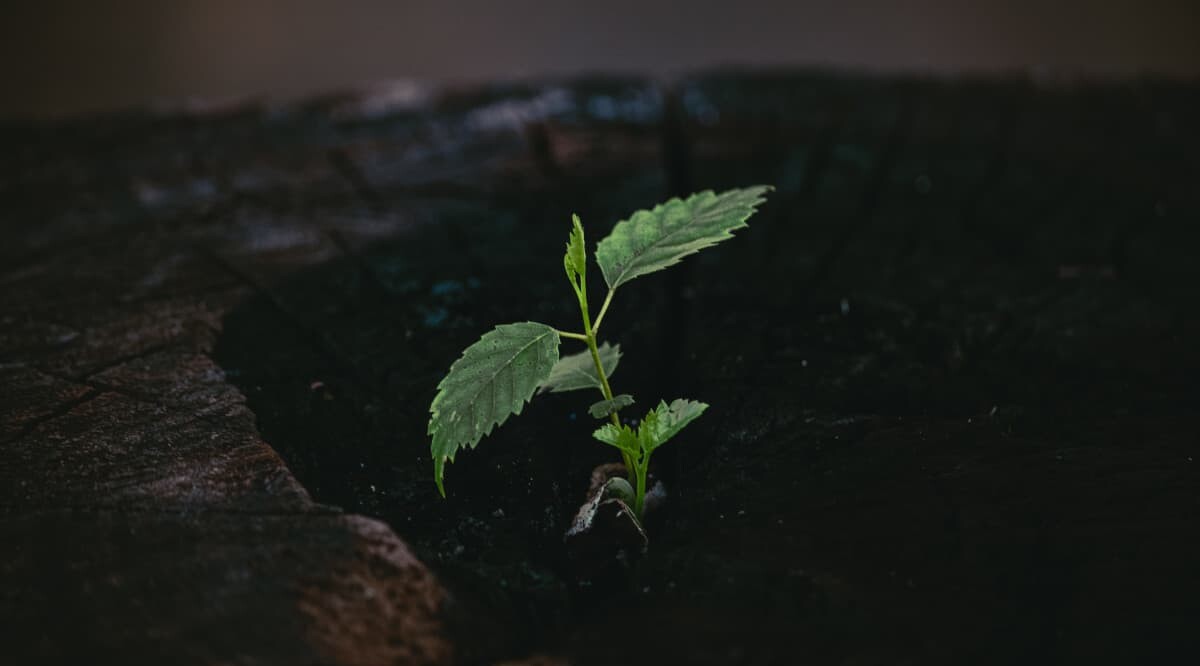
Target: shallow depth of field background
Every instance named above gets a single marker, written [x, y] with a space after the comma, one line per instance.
[72, 56]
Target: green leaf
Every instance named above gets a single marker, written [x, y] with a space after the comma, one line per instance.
[651, 240]
[575, 259]
[623, 438]
[665, 421]
[578, 371]
[602, 409]
[492, 379]
[647, 431]
[660, 425]
[619, 488]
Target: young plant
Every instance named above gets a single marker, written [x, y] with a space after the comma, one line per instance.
[497, 375]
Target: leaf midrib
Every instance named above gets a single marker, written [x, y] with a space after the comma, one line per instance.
[637, 255]
[473, 397]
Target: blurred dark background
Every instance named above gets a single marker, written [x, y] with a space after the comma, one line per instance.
[67, 57]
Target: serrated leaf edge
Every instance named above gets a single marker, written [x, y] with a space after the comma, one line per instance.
[725, 233]
[439, 461]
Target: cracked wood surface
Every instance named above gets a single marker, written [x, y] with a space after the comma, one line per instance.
[144, 519]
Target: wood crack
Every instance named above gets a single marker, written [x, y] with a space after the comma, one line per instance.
[58, 412]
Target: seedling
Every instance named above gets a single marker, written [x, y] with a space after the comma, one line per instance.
[497, 375]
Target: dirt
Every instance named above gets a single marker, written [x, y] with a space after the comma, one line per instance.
[949, 368]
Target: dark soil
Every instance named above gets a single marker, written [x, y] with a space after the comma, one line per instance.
[951, 367]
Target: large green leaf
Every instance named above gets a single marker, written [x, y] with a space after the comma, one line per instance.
[651, 240]
[492, 379]
[578, 371]
[665, 421]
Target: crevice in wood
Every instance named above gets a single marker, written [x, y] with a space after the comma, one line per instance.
[58, 412]
[370, 277]
[345, 166]
[316, 340]
[122, 360]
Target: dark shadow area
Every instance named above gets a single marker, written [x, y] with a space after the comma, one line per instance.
[950, 367]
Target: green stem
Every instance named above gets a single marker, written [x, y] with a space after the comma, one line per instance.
[639, 499]
[576, 336]
[590, 336]
[603, 309]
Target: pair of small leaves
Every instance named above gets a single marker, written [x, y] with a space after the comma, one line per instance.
[660, 425]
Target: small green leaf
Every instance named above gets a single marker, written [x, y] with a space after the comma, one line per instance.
[578, 371]
[575, 259]
[648, 431]
[619, 488]
[665, 421]
[602, 409]
[623, 438]
[492, 379]
[651, 240]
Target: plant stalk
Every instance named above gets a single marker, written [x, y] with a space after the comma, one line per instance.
[603, 309]
[590, 335]
[639, 499]
[573, 336]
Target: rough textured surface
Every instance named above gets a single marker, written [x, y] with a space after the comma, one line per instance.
[951, 365]
[143, 518]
